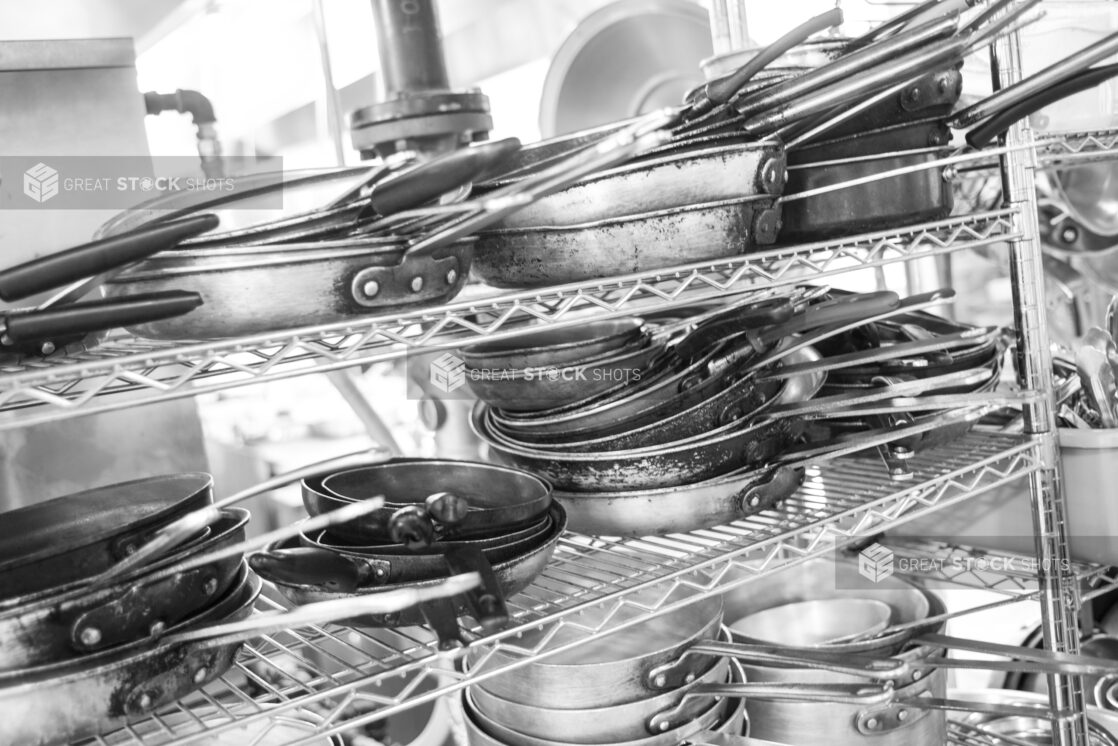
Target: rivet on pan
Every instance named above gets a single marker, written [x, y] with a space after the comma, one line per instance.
[416, 284]
[157, 627]
[942, 83]
[90, 636]
[452, 277]
[902, 715]
[145, 701]
[664, 726]
[47, 348]
[200, 675]
[1069, 234]
[950, 173]
[754, 501]
[371, 288]
[871, 724]
[660, 681]
[210, 586]
[379, 572]
[689, 678]
[917, 675]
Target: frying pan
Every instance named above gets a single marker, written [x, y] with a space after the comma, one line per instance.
[307, 585]
[328, 540]
[253, 289]
[690, 507]
[66, 702]
[498, 498]
[69, 538]
[347, 568]
[712, 454]
[75, 620]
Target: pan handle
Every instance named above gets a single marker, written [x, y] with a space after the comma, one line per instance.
[757, 497]
[321, 568]
[324, 612]
[78, 319]
[1000, 121]
[44, 273]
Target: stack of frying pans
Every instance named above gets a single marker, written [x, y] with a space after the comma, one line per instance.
[708, 428]
[119, 600]
[440, 517]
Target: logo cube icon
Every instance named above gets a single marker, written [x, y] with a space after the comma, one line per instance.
[875, 563]
[40, 182]
[448, 372]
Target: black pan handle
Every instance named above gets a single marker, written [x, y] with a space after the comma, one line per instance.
[90, 259]
[487, 601]
[98, 315]
[721, 90]
[997, 124]
[426, 181]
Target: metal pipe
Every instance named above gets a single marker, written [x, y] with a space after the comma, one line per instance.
[1056, 581]
[410, 46]
[334, 123]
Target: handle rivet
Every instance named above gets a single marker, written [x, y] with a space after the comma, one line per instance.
[452, 277]
[872, 723]
[157, 627]
[660, 681]
[370, 288]
[200, 675]
[380, 572]
[145, 701]
[902, 715]
[664, 726]
[416, 284]
[210, 586]
[90, 636]
[47, 348]
[917, 675]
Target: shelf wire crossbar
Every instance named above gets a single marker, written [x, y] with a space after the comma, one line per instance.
[343, 679]
[65, 385]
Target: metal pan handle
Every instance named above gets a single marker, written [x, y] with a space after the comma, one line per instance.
[323, 612]
[882, 669]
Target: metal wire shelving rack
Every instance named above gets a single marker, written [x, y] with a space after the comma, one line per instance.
[310, 673]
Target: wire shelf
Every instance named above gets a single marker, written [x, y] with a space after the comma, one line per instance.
[344, 679]
[63, 386]
[1075, 148]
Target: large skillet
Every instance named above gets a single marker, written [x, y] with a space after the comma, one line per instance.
[497, 498]
[59, 541]
[76, 620]
[304, 586]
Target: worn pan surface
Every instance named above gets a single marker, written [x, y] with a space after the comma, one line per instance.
[680, 509]
[673, 179]
[65, 702]
[538, 256]
[513, 576]
[76, 621]
[499, 498]
[737, 445]
[59, 541]
[260, 288]
[918, 196]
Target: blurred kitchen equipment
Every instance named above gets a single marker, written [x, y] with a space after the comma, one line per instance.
[651, 50]
[418, 110]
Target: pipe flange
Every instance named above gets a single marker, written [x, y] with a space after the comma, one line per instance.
[420, 121]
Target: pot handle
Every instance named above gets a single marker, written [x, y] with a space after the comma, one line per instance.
[855, 694]
[323, 612]
[882, 669]
[321, 568]
[783, 481]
